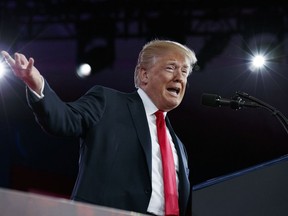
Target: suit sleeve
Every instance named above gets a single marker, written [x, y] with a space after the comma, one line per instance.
[67, 118]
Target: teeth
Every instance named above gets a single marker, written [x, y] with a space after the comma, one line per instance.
[174, 90]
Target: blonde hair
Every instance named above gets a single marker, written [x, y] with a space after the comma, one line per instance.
[155, 48]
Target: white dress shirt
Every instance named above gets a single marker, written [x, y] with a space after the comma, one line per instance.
[156, 204]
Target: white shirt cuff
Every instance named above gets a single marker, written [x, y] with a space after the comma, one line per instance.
[41, 92]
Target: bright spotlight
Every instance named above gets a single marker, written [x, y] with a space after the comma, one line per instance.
[84, 70]
[2, 69]
[258, 61]
[264, 50]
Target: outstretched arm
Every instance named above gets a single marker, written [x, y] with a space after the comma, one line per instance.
[25, 70]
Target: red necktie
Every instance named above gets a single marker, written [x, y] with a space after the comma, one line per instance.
[169, 172]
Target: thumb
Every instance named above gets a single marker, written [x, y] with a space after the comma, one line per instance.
[30, 64]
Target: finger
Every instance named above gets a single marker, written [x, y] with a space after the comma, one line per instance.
[30, 64]
[8, 58]
[17, 59]
[22, 59]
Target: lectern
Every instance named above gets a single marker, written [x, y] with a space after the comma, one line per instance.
[261, 190]
[17, 203]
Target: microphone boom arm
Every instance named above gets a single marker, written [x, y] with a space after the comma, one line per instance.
[283, 120]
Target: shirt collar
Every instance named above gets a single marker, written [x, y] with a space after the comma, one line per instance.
[149, 106]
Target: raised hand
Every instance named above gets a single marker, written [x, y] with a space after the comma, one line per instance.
[25, 70]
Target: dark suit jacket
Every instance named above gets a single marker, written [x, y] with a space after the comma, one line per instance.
[115, 158]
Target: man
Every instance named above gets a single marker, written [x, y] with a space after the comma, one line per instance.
[120, 160]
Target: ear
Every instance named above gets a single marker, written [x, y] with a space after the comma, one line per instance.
[143, 75]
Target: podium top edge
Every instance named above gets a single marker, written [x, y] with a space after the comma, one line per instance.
[232, 175]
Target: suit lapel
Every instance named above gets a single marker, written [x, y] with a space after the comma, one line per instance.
[141, 125]
[184, 185]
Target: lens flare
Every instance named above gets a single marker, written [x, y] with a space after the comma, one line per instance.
[2, 69]
[258, 61]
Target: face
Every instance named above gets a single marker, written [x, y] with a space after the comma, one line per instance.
[165, 81]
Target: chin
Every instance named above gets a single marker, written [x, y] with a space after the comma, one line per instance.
[173, 105]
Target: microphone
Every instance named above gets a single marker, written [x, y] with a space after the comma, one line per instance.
[214, 100]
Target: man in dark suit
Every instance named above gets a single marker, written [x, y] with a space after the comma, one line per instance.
[120, 161]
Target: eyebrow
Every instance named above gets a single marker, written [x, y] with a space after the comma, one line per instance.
[172, 62]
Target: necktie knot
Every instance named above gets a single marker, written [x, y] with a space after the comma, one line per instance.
[160, 118]
[159, 114]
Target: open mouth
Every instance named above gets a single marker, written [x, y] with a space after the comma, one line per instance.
[174, 90]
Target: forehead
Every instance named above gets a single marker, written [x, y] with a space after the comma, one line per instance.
[174, 57]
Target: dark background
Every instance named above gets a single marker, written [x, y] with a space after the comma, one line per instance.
[60, 34]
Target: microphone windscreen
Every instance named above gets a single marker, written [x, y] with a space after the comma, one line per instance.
[210, 99]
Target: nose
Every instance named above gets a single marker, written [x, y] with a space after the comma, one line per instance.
[179, 76]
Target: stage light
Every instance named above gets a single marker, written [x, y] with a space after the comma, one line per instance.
[93, 58]
[95, 46]
[258, 61]
[263, 41]
[2, 69]
[263, 51]
[84, 70]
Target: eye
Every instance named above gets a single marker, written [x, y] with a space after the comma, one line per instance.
[185, 71]
[170, 68]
